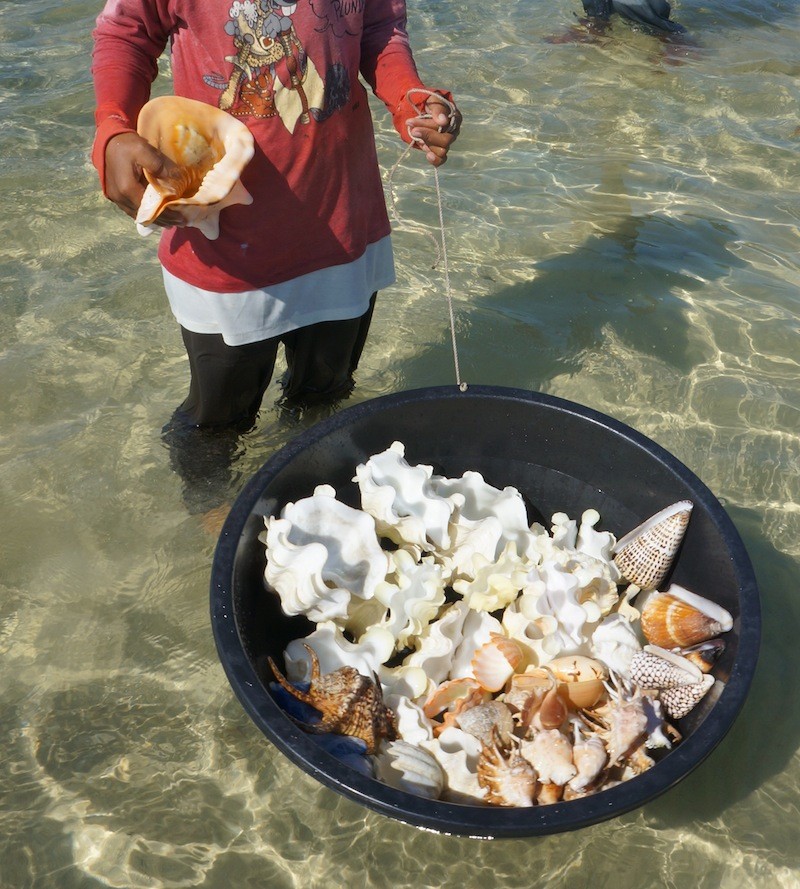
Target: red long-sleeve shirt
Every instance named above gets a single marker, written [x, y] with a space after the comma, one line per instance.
[290, 73]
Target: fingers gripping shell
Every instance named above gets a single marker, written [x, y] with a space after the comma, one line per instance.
[211, 149]
[645, 555]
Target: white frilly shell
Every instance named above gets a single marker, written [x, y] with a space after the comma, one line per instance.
[402, 500]
[412, 597]
[372, 650]
[319, 553]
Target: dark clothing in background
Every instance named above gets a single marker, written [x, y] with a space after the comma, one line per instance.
[653, 14]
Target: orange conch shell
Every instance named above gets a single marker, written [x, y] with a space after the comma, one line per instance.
[210, 147]
[679, 618]
[645, 555]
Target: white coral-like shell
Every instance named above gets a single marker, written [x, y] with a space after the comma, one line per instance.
[496, 584]
[615, 642]
[486, 520]
[553, 591]
[319, 553]
[412, 723]
[414, 600]
[440, 640]
[402, 500]
[536, 637]
[457, 752]
[598, 544]
[411, 768]
[374, 648]
[405, 681]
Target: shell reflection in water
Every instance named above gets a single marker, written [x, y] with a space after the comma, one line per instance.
[210, 149]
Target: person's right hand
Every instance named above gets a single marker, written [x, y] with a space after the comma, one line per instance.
[128, 155]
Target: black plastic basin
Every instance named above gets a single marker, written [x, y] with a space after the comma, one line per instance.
[563, 458]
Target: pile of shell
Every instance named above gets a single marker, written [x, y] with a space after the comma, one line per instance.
[475, 657]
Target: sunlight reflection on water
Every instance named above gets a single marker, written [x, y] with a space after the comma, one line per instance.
[622, 227]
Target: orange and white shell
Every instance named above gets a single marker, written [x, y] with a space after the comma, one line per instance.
[645, 555]
[580, 679]
[495, 662]
[679, 618]
[211, 149]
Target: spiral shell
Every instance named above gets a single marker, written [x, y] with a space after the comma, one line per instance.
[508, 778]
[679, 618]
[645, 555]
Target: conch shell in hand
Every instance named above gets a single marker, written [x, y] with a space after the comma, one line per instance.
[210, 148]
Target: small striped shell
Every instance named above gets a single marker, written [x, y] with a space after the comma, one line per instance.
[645, 555]
[495, 662]
[411, 768]
[679, 618]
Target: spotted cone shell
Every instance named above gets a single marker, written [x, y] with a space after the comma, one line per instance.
[682, 699]
[654, 667]
[645, 555]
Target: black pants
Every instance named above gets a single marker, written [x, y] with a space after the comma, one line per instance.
[228, 384]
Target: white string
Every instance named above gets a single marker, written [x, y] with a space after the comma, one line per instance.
[441, 244]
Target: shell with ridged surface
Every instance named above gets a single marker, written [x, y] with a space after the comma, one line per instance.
[679, 618]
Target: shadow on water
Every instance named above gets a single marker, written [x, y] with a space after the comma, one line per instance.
[636, 279]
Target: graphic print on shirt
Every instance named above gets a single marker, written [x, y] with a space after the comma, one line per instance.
[272, 75]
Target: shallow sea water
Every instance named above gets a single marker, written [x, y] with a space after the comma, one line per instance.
[622, 224]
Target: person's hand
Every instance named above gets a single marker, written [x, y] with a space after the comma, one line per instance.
[435, 134]
[128, 155]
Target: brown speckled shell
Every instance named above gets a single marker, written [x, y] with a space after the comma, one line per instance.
[348, 702]
[645, 555]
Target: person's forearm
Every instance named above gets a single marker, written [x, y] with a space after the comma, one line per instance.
[128, 40]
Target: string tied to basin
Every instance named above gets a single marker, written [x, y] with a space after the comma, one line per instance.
[440, 243]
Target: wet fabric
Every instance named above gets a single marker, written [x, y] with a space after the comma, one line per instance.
[227, 387]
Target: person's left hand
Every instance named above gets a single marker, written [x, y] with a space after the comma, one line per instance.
[435, 134]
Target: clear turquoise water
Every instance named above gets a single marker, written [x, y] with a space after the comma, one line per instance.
[622, 227]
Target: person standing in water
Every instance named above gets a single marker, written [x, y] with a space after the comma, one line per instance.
[301, 266]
